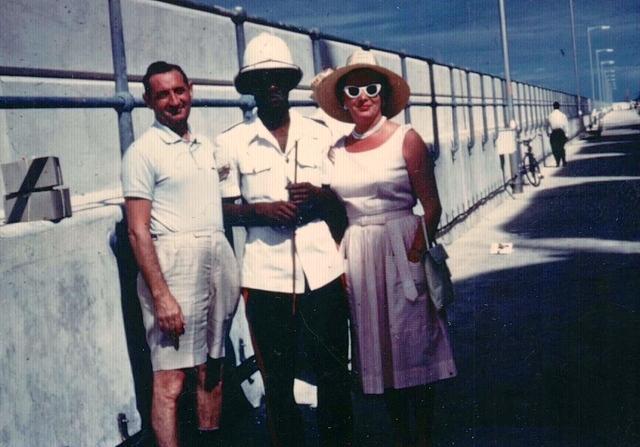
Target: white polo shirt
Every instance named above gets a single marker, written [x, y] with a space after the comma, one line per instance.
[179, 178]
[558, 120]
[259, 172]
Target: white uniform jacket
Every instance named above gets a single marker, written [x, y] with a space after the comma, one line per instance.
[259, 171]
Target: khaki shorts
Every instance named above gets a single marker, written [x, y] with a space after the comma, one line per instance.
[202, 274]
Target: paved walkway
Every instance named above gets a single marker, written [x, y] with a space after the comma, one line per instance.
[547, 337]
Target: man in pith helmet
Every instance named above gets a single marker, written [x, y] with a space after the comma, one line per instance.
[291, 268]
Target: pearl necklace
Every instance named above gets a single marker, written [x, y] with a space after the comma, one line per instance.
[368, 133]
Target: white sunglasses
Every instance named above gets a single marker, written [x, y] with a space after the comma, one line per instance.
[371, 90]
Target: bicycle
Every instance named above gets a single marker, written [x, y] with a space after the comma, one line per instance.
[529, 166]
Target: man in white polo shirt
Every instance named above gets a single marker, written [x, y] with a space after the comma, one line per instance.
[291, 267]
[558, 126]
[188, 287]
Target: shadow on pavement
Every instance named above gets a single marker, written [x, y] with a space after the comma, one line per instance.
[549, 353]
[618, 156]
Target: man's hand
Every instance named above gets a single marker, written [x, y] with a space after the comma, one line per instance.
[301, 193]
[277, 213]
[169, 315]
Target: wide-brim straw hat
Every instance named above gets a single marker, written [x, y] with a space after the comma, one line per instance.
[327, 96]
[266, 52]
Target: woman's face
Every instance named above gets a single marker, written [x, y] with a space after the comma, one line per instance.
[366, 106]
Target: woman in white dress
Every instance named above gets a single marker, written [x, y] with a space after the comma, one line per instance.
[401, 343]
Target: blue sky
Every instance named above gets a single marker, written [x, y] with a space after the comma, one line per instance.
[466, 33]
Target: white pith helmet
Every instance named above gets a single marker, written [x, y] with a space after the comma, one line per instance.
[266, 52]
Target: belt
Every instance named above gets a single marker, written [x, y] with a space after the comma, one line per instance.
[186, 234]
[379, 219]
[394, 237]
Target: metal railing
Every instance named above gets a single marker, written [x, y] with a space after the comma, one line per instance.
[456, 95]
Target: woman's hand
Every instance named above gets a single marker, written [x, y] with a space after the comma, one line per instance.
[418, 247]
[416, 255]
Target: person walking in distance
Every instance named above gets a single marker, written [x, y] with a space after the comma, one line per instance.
[188, 284]
[558, 127]
[291, 267]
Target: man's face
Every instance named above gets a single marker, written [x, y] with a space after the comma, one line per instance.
[170, 98]
[271, 90]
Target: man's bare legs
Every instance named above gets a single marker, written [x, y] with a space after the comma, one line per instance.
[167, 386]
[209, 400]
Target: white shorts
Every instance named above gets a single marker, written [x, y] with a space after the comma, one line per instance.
[202, 274]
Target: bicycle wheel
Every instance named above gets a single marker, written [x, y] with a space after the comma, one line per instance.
[532, 170]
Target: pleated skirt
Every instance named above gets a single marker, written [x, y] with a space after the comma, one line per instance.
[397, 342]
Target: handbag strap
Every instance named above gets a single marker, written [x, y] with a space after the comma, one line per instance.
[426, 234]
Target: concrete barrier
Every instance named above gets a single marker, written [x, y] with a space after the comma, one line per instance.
[63, 362]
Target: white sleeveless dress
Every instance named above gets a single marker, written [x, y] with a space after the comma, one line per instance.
[399, 339]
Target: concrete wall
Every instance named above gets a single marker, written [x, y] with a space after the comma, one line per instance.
[64, 369]
[63, 361]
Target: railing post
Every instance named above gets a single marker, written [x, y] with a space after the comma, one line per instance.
[527, 115]
[485, 125]
[125, 124]
[315, 47]
[403, 69]
[454, 116]
[505, 116]
[520, 103]
[538, 108]
[238, 18]
[495, 110]
[434, 112]
[472, 129]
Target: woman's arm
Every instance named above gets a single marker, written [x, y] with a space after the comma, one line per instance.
[423, 182]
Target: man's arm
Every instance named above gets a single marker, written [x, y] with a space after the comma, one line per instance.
[167, 310]
[258, 214]
[319, 203]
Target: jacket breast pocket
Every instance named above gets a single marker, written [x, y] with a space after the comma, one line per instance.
[310, 167]
[255, 177]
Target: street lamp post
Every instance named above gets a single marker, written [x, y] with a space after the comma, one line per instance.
[610, 86]
[602, 75]
[589, 29]
[606, 50]
[575, 63]
[610, 83]
[514, 159]
[610, 76]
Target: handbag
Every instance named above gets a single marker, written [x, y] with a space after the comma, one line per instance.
[438, 275]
